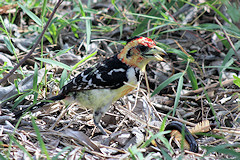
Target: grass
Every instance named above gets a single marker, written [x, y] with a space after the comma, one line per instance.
[155, 20]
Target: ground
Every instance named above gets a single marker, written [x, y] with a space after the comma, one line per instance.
[197, 84]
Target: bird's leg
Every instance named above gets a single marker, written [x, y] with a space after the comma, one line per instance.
[97, 115]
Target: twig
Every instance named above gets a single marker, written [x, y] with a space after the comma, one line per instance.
[224, 83]
[60, 116]
[35, 45]
[177, 119]
[228, 39]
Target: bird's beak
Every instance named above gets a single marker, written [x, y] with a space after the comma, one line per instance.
[156, 53]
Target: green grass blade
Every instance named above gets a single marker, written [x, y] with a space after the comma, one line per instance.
[16, 85]
[151, 17]
[118, 15]
[88, 31]
[223, 149]
[228, 60]
[163, 123]
[9, 45]
[49, 38]
[165, 154]
[63, 51]
[88, 23]
[81, 8]
[211, 107]
[35, 77]
[53, 31]
[162, 128]
[151, 29]
[35, 83]
[158, 135]
[142, 26]
[231, 53]
[166, 82]
[59, 153]
[84, 59]
[236, 80]
[135, 153]
[60, 64]
[179, 89]
[1, 29]
[40, 140]
[20, 99]
[228, 64]
[223, 40]
[234, 68]
[2, 158]
[31, 15]
[192, 78]
[63, 78]
[5, 29]
[219, 13]
[164, 140]
[179, 53]
[44, 6]
[75, 31]
[20, 146]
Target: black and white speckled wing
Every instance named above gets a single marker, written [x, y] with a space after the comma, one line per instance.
[111, 73]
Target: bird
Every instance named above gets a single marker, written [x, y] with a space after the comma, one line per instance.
[104, 83]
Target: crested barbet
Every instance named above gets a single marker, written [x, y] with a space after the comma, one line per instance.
[102, 84]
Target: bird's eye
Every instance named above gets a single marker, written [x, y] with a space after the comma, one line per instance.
[129, 54]
[143, 48]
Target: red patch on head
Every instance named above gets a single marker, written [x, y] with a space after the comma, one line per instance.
[147, 42]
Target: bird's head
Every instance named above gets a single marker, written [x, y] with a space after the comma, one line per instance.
[139, 51]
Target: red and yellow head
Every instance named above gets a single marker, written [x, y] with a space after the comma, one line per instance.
[139, 51]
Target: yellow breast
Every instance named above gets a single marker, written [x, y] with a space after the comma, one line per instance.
[124, 90]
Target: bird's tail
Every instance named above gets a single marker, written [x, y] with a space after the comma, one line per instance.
[19, 113]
